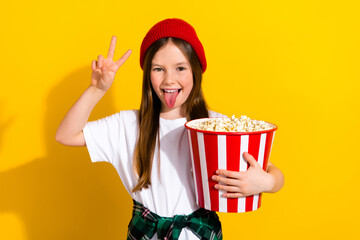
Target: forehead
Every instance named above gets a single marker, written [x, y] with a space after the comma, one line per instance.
[169, 54]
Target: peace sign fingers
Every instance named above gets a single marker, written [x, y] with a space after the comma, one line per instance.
[123, 58]
[112, 48]
[104, 70]
[111, 52]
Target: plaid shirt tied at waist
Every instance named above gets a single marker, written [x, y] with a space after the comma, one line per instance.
[144, 224]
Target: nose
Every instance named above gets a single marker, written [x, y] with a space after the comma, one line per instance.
[169, 77]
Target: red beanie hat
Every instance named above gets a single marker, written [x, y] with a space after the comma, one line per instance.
[177, 28]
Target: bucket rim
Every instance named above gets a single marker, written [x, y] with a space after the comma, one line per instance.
[228, 133]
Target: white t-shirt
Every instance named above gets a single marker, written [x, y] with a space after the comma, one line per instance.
[112, 139]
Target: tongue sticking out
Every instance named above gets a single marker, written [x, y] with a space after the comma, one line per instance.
[170, 98]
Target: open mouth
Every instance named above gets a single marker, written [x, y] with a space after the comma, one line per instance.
[170, 96]
[171, 90]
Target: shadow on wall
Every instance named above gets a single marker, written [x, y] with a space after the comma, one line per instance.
[64, 195]
[4, 123]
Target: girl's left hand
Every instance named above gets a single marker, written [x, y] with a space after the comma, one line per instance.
[240, 184]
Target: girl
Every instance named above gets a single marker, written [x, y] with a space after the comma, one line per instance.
[149, 148]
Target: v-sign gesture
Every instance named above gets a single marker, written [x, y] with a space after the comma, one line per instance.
[104, 70]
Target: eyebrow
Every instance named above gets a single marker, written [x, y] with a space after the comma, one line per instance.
[180, 63]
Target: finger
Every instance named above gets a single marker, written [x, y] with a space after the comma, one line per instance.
[251, 160]
[93, 65]
[233, 195]
[100, 61]
[112, 48]
[225, 180]
[227, 188]
[229, 174]
[123, 58]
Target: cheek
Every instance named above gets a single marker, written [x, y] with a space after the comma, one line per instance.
[189, 82]
[154, 81]
[190, 87]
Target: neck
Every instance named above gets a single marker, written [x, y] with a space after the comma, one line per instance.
[173, 113]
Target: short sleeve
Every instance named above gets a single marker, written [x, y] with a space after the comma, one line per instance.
[102, 138]
[215, 114]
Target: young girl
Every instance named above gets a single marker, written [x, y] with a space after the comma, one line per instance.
[149, 148]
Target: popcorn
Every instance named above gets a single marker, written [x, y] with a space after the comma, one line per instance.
[233, 124]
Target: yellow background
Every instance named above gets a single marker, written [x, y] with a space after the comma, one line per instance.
[293, 63]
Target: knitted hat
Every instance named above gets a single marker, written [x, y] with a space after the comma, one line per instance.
[173, 27]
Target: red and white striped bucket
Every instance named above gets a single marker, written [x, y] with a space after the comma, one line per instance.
[224, 150]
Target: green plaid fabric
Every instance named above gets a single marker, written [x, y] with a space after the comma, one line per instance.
[144, 224]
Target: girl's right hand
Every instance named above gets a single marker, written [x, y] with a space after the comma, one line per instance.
[104, 70]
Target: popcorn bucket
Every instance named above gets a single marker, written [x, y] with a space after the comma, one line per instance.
[224, 150]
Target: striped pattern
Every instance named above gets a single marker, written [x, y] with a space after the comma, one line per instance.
[210, 152]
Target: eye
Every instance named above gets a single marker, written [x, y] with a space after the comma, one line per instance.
[181, 68]
[158, 69]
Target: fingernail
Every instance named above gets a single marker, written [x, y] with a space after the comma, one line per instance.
[217, 171]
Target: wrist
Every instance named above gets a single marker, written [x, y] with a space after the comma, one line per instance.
[96, 91]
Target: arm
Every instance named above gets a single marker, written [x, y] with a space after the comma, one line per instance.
[70, 129]
[253, 181]
[279, 178]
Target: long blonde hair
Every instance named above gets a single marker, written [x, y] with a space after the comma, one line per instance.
[151, 105]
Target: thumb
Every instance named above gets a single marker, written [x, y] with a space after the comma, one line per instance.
[251, 160]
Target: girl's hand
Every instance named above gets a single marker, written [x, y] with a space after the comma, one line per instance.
[240, 184]
[104, 70]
